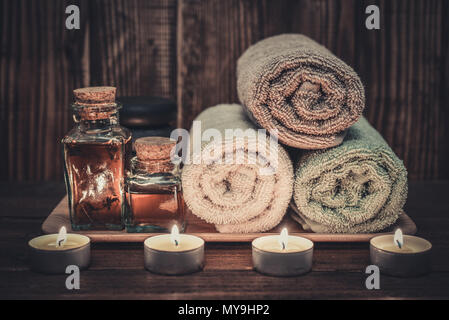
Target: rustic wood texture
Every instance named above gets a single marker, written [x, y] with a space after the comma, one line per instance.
[41, 62]
[187, 50]
[117, 270]
[404, 65]
[132, 45]
[59, 217]
[128, 44]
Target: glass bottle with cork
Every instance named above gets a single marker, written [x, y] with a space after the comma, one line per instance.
[153, 188]
[96, 160]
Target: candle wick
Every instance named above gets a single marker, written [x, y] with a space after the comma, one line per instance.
[399, 244]
[59, 242]
[283, 245]
[176, 242]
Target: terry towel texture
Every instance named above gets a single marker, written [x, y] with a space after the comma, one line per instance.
[292, 84]
[237, 198]
[357, 187]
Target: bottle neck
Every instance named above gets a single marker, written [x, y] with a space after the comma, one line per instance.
[89, 125]
[153, 166]
[96, 118]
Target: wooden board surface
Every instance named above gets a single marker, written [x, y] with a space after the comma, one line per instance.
[117, 270]
[60, 217]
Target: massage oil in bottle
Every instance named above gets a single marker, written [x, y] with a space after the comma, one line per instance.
[153, 188]
[95, 161]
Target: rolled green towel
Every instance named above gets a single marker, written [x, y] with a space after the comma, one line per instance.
[359, 186]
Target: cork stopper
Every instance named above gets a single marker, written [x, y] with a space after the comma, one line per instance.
[154, 148]
[95, 95]
[96, 103]
[154, 153]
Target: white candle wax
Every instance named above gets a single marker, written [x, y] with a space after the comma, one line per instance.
[48, 242]
[411, 244]
[282, 255]
[396, 249]
[401, 256]
[271, 244]
[165, 243]
[48, 257]
[174, 253]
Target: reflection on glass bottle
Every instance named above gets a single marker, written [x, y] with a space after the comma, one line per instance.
[95, 161]
[154, 194]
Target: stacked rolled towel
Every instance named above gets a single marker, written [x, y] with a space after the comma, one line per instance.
[357, 187]
[251, 196]
[293, 85]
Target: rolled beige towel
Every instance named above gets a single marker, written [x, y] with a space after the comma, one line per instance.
[358, 187]
[252, 196]
[292, 84]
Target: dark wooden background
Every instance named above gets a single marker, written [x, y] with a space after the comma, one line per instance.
[187, 50]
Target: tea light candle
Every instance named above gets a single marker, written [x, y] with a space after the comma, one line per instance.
[282, 255]
[401, 256]
[174, 254]
[52, 253]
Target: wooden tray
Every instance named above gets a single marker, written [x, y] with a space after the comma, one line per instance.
[60, 217]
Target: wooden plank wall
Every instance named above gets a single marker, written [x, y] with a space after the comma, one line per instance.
[187, 50]
[126, 43]
[404, 66]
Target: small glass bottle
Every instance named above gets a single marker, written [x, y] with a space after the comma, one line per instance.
[153, 188]
[95, 161]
